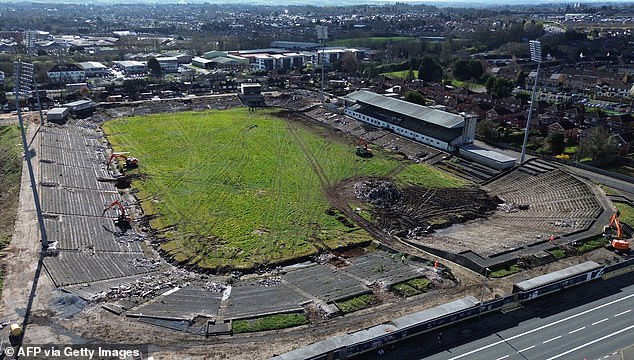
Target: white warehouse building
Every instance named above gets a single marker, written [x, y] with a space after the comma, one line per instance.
[433, 127]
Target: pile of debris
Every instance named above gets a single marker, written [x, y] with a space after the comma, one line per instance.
[154, 284]
[512, 207]
[271, 281]
[380, 193]
[564, 223]
[149, 264]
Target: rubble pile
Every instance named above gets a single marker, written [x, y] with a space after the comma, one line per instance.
[213, 286]
[380, 193]
[512, 207]
[564, 223]
[271, 281]
[149, 264]
[153, 284]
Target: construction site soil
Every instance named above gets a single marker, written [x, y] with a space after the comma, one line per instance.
[414, 211]
[409, 212]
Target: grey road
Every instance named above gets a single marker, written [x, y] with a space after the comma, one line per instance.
[590, 331]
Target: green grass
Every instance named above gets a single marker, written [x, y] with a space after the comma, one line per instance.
[557, 253]
[400, 74]
[592, 243]
[372, 42]
[271, 322]
[627, 213]
[505, 271]
[356, 303]
[468, 85]
[412, 287]
[10, 174]
[427, 176]
[235, 189]
[570, 150]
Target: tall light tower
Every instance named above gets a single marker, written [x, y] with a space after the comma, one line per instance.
[536, 55]
[24, 76]
[322, 35]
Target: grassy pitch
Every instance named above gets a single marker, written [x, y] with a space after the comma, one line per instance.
[234, 189]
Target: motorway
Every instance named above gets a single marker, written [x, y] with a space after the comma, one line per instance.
[589, 322]
[590, 331]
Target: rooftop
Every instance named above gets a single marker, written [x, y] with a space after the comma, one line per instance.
[433, 116]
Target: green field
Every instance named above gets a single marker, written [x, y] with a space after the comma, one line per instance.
[10, 174]
[234, 189]
[372, 42]
[400, 74]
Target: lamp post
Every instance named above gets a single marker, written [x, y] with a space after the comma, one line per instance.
[24, 76]
[536, 55]
[322, 34]
[487, 271]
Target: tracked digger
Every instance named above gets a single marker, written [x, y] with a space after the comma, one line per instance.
[615, 232]
[130, 162]
[123, 220]
[362, 149]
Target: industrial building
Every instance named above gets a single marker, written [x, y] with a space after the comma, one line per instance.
[130, 67]
[169, 64]
[57, 115]
[66, 73]
[436, 128]
[487, 157]
[94, 69]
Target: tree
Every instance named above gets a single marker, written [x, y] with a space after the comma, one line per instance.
[410, 72]
[499, 87]
[154, 67]
[556, 142]
[467, 69]
[349, 63]
[415, 97]
[430, 69]
[599, 145]
[486, 130]
[520, 80]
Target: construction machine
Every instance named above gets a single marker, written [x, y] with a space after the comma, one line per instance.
[614, 232]
[362, 148]
[122, 221]
[130, 162]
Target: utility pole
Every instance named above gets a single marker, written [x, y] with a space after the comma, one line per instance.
[322, 34]
[536, 55]
[24, 77]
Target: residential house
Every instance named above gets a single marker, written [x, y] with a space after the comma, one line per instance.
[66, 73]
[568, 129]
[620, 123]
[499, 114]
[626, 142]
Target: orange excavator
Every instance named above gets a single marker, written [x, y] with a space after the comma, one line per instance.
[123, 221]
[617, 241]
[130, 162]
[362, 148]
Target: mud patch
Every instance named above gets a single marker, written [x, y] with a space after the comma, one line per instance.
[415, 211]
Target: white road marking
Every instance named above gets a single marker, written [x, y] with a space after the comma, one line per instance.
[579, 329]
[528, 348]
[591, 342]
[553, 339]
[542, 327]
[600, 321]
[503, 357]
[623, 313]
